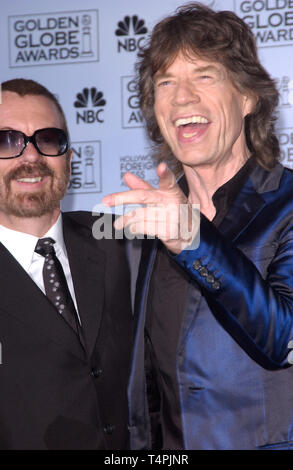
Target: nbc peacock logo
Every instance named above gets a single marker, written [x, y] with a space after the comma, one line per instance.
[128, 30]
[87, 99]
[137, 25]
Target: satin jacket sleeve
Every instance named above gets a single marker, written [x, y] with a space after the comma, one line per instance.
[255, 307]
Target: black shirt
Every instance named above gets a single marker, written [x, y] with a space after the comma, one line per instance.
[169, 291]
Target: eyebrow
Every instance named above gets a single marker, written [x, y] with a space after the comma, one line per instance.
[204, 69]
[208, 68]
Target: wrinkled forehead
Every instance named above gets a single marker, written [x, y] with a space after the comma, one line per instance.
[165, 59]
[199, 61]
[202, 62]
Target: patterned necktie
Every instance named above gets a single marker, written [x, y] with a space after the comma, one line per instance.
[56, 286]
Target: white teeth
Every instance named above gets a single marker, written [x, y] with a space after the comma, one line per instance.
[191, 120]
[188, 136]
[37, 179]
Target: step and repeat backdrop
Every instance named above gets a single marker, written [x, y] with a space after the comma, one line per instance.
[84, 51]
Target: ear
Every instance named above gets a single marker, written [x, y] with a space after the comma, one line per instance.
[69, 157]
[249, 103]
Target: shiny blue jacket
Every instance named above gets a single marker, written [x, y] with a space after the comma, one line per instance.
[233, 361]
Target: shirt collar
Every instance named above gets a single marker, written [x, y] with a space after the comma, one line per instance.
[226, 194]
[56, 232]
[231, 188]
[22, 245]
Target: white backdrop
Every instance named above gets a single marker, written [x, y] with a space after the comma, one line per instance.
[84, 51]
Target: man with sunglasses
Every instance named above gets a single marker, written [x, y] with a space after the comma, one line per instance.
[65, 312]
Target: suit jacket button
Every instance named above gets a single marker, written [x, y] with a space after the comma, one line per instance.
[210, 279]
[109, 428]
[196, 264]
[96, 372]
[216, 285]
[203, 272]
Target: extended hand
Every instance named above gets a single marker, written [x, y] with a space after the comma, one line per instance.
[166, 212]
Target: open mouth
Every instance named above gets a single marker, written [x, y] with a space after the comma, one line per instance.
[36, 179]
[28, 183]
[191, 127]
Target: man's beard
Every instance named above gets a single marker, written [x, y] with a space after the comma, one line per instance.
[35, 203]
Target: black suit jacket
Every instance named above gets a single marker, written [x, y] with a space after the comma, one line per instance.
[53, 394]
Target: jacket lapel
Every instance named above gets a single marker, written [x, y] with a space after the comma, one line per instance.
[87, 265]
[245, 208]
[250, 201]
[22, 298]
[137, 384]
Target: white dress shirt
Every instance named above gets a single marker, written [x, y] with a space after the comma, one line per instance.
[22, 248]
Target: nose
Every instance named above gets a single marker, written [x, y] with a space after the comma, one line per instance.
[30, 153]
[185, 93]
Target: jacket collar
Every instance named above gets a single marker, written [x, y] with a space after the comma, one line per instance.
[265, 181]
[251, 200]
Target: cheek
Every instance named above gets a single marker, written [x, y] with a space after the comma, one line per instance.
[232, 112]
[161, 121]
[240, 105]
[58, 169]
[157, 112]
[237, 117]
[161, 108]
[5, 169]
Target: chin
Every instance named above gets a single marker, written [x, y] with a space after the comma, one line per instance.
[32, 205]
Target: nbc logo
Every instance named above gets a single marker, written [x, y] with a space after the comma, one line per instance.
[90, 98]
[129, 27]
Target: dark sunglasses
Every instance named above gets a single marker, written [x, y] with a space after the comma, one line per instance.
[50, 142]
